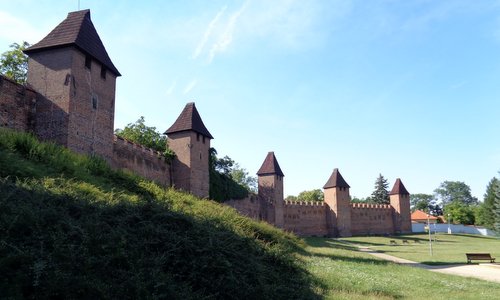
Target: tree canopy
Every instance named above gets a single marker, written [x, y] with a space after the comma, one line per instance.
[380, 194]
[312, 195]
[420, 202]
[227, 179]
[485, 214]
[459, 212]
[147, 136]
[497, 208]
[449, 191]
[14, 63]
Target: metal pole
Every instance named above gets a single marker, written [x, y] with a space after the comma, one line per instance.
[430, 238]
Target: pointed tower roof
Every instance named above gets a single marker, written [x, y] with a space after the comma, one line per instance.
[76, 30]
[189, 120]
[270, 166]
[336, 180]
[399, 188]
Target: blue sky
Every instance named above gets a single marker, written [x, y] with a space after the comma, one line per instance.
[407, 89]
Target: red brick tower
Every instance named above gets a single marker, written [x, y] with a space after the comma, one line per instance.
[400, 201]
[270, 181]
[72, 70]
[190, 140]
[339, 202]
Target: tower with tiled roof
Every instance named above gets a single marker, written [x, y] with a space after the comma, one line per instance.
[71, 68]
[400, 202]
[338, 200]
[190, 140]
[270, 183]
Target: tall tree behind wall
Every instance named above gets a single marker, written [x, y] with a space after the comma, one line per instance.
[380, 194]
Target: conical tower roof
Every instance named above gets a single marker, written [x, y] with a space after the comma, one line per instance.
[270, 166]
[399, 188]
[336, 180]
[189, 120]
[76, 30]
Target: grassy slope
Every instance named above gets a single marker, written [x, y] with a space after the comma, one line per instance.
[72, 228]
[447, 249]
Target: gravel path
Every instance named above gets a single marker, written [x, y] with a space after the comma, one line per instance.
[487, 271]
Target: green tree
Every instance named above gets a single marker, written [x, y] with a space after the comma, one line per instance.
[312, 195]
[291, 198]
[222, 186]
[460, 213]
[360, 200]
[485, 213]
[241, 176]
[420, 202]
[497, 209]
[380, 194]
[14, 63]
[449, 191]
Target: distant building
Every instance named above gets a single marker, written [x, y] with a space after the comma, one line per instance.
[419, 216]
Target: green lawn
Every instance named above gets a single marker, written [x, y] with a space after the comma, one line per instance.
[345, 273]
[446, 249]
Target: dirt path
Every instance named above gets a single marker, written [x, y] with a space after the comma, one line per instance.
[490, 272]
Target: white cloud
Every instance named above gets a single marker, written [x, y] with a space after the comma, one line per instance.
[208, 32]
[190, 86]
[12, 29]
[171, 89]
[226, 38]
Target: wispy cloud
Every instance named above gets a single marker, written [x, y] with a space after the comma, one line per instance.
[190, 86]
[171, 88]
[208, 32]
[227, 36]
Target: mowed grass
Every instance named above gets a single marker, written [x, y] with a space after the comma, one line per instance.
[446, 249]
[348, 274]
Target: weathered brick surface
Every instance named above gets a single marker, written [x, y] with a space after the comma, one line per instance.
[250, 206]
[143, 161]
[305, 218]
[190, 167]
[402, 214]
[17, 105]
[371, 219]
[80, 110]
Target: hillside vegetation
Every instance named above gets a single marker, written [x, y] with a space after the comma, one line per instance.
[70, 227]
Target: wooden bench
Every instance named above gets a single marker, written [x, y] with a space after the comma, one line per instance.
[479, 256]
[393, 242]
[405, 242]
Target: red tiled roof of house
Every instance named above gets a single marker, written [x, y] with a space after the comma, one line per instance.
[420, 215]
[336, 180]
[189, 120]
[270, 166]
[399, 188]
[76, 30]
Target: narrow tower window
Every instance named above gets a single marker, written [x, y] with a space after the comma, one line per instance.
[103, 72]
[88, 61]
[94, 101]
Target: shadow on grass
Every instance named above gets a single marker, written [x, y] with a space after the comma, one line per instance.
[331, 243]
[60, 246]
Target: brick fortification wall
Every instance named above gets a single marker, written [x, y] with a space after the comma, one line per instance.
[305, 218]
[143, 161]
[250, 206]
[17, 105]
[371, 219]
